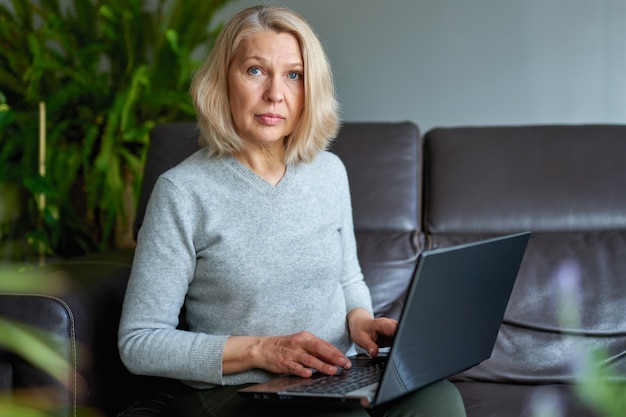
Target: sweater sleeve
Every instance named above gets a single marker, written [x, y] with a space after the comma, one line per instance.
[356, 291]
[164, 263]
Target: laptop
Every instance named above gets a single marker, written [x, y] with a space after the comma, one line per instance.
[451, 317]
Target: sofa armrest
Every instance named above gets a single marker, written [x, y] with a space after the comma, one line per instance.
[72, 308]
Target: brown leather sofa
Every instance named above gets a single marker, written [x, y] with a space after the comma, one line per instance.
[567, 184]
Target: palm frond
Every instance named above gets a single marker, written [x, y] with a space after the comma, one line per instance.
[108, 71]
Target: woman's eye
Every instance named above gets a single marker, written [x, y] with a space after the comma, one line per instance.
[295, 75]
[254, 71]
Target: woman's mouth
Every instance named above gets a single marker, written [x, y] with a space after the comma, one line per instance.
[270, 118]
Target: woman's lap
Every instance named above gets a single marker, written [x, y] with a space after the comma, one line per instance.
[440, 399]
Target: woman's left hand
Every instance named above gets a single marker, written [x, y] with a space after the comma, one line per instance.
[370, 333]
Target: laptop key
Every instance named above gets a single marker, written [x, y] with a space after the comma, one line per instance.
[343, 383]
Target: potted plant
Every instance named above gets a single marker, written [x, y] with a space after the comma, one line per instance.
[107, 72]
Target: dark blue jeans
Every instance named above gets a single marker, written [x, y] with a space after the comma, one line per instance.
[440, 399]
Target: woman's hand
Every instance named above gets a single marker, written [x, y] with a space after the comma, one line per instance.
[370, 333]
[295, 354]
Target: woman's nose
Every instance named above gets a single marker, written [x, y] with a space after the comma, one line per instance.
[274, 90]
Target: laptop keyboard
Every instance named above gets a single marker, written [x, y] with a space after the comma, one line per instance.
[343, 383]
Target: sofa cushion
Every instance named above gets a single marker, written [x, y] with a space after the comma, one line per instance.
[544, 178]
[170, 143]
[48, 320]
[536, 344]
[388, 261]
[385, 157]
[74, 310]
[512, 400]
[566, 185]
[384, 162]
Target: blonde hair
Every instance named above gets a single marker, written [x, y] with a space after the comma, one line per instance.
[319, 120]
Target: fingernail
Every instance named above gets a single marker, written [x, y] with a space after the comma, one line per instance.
[345, 363]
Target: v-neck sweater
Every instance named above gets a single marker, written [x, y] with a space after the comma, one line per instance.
[244, 257]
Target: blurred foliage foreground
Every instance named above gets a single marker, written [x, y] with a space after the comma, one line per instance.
[35, 348]
[107, 72]
[597, 384]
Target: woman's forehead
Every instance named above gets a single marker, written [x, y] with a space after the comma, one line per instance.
[270, 44]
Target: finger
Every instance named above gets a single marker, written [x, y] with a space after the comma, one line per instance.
[386, 330]
[328, 354]
[321, 366]
[367, 342]
[385, 326]
[380, 334]
[384, 341]
[300, 370]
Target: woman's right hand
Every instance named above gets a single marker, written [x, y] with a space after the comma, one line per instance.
[295, 354]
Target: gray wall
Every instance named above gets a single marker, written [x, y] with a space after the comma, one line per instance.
[473, 62]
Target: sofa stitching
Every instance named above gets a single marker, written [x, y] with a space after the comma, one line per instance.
[72, 342]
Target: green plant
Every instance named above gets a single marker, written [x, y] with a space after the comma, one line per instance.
[597, 384]
[107, 71]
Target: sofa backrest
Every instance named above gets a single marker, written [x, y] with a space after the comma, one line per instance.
[170, 143]
[548, 178]
[382, 159]
[566, 184]
[383, 162]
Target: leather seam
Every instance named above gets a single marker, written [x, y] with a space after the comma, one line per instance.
[72, 342]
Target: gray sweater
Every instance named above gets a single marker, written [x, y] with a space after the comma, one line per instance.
[245, 258]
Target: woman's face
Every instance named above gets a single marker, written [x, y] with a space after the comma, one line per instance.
[266, 88]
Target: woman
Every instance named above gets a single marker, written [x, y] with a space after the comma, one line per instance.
[253, 234]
